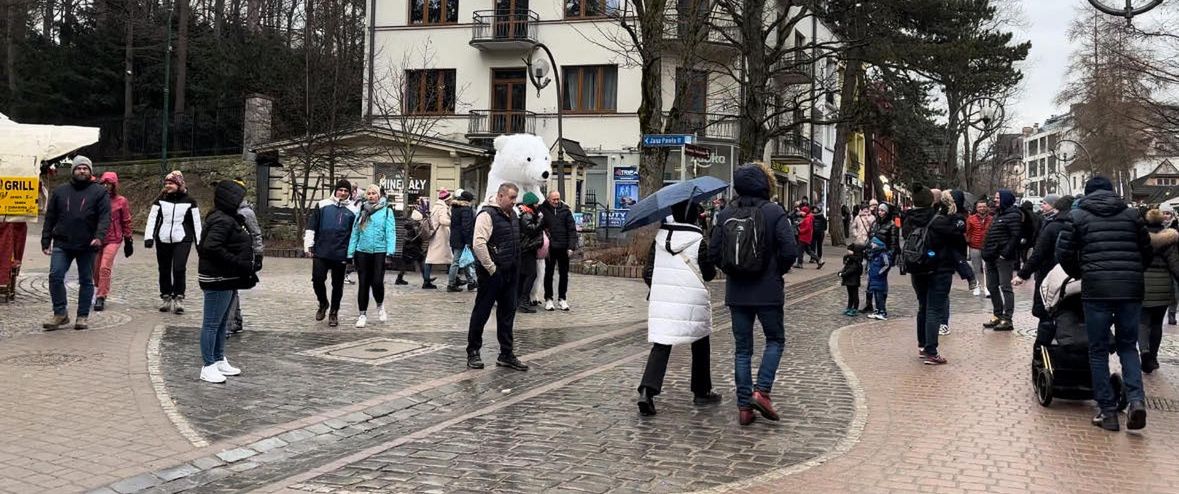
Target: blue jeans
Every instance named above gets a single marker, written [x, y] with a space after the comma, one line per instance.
[771, 325]
[880, 298]
[933, 306]
[1124, 315]
[454, 268]
[59, 264]
[215, 323]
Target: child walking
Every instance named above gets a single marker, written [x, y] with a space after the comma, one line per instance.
[879, 263]
[853, 269]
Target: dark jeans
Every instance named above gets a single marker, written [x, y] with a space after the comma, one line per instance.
[319, 272]
[657, 368]
[172, 260]
[370, 276]
[818, 243]
[558, 258]
[999, 274]
[808, 249]
[59, 264]
[1124, 316]
[497, 290]
[880, 298]
[454, 268]
[853, 297]
[775, 332]
[1150, 330]
[933, 304]
[527, 276]
[215, 323]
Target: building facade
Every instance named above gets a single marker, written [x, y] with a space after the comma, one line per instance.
[1044, 173]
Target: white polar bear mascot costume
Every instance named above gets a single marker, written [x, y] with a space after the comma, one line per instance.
[522, 159]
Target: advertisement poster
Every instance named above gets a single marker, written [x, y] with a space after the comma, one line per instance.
[391, 177]
[18, 196]
[585, 222]
[626, 187]
[614, 219]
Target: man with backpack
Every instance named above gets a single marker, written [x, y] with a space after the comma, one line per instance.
[931, 239]
[754, 246]
[1001, 253]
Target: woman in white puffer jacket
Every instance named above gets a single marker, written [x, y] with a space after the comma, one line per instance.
[680, 308]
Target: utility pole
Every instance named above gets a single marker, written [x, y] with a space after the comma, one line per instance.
[167, 89]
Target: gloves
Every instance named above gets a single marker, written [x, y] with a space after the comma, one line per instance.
[147, 244]
[257, 263]
[128, 249]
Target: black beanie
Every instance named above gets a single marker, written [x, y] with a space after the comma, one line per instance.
[1063, 204]
[1097, 183]
[343, 184]
[922, 197]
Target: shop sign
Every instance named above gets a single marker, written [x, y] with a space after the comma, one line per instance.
[18, 196]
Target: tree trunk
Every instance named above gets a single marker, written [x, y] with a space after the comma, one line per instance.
[843, 130]
[954, 106]
[10, 40]
[218, 18]
[128, 76]
[253, 14]
[47, 20]
[181, 56]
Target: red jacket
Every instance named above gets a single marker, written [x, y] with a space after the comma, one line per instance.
[120, 213]
[806, 229]
[976, 230]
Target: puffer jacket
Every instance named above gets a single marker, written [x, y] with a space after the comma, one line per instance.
[1164, 267]
[120, 227]
[886, 230]
[753, 187]
[806, 229]
[531, 231]
[462, 224]
[174, 218]
[378, 234]
[679, 309]
[861, 228]
[947, 235]
[976, 229]
[226, 255]
[1003, 236]
[77, 214]
[1105, 244]
[1043, 257]
[558, 222]
[330, 229]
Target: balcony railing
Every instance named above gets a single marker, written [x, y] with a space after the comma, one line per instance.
[708, 125]
[498, 30]
[794, 146]
[794, 70]
[492, 123]
[701, 28]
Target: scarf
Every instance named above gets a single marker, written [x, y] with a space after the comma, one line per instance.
[367, 210]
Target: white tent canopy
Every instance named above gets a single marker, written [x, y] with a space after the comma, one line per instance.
[24, 146]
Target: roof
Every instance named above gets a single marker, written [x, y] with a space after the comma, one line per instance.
[376, 132]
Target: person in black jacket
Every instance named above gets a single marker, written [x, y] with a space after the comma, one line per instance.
[76, 220]
[849, 276]
[497, 250]
[1043, 256]
[562, 230]
[1105, 244]
[531, 240]
[462, 236]
[945, 236]
[820, 231]
[1001, 253]
[226, 265]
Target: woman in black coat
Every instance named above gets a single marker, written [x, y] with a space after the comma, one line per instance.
[226, 265]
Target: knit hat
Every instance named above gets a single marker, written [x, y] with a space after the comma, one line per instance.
[531, 199]
[922, 197]
[443, 194]
[82, 161]
[467, 196]
[343, 184]
[1097, 183]
[1051, 199]
[1166, 208]
[176, 177]
[1064, 203]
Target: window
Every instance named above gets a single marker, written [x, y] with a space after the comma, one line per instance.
[591, 88]
[429, 91]
[591, 8]
[433, 11]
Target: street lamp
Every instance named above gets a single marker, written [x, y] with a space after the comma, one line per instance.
[538, 75]
[1065, 151]
[984, 113]
[1129, 11]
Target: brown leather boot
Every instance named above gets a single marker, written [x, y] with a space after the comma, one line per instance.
[762, 403]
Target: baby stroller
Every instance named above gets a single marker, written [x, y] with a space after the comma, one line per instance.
[1060, 356]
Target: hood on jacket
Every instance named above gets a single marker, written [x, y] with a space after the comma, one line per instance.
[959, 201]
[458, 203]
[681, 240]
[227, 197]
[1161, 238]
[1102, 203]
[113, 179]
[1006, 199]
[751, 181]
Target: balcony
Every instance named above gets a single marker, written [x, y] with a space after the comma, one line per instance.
[792, 146]
[708, 126]
[497, 31]
[704, 34]
[488, 124]
[794, 71]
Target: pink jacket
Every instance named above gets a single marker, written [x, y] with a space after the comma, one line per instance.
[120, 212]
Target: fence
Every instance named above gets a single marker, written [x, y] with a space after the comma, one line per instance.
[198, 132]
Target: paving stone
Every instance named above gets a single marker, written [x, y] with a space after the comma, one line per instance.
[207, 462]
[237, 454]
[267, 444]
[135, 484]
[174, 473]
[296, 435]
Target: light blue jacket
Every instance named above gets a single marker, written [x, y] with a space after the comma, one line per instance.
[379, 235]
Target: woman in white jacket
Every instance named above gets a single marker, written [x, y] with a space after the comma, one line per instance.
[680, 308]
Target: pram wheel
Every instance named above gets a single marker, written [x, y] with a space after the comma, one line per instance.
[1042, 381]
[1119, 387]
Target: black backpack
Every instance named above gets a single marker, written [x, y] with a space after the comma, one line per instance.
[917, 255]
[742, 253]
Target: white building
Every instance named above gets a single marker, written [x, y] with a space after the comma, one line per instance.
[463, 62]
[1044, 173]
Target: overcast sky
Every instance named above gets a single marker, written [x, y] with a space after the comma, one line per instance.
[1045, 25]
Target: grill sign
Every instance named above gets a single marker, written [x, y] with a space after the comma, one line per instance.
[18, 196]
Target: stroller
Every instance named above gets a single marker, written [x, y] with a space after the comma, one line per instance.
[1060, 356]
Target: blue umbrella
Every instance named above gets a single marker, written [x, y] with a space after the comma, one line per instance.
[655, 207]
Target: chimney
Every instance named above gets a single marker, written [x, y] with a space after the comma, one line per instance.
[1027, 131]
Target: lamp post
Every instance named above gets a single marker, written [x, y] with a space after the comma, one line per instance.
[1129, 11]
[984, 113]
[538, 71]
[167, 90]
[1065, 151]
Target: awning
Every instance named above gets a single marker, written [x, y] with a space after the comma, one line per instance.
[575, 152]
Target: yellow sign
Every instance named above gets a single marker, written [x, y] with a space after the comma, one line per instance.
[780, 167]
[18, 196]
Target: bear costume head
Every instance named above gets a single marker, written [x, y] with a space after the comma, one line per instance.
[522, 159]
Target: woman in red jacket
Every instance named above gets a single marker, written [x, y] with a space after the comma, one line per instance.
[118, 233]
[806, 234]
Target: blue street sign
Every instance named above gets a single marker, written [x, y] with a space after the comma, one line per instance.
[666, 140]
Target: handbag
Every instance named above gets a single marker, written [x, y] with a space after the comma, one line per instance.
[543, 251]
[467, 258]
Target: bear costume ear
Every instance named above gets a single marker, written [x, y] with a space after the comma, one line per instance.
[500, 142]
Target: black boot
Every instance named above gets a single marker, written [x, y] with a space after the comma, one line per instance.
[100, 304]
[400, 279]
[646, 403]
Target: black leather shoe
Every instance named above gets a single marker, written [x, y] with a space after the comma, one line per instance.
[333, 320]
[321, 313]
[100, 304]
[1109, 420]
[472, 286]
[1004, 325]
[1136, 416]
[646, 403]
[709, 398]
[525, 308]
[400, 281]
[511, 362]
[1149, 363]
[429, 286]
[453, 288]
[474, 362]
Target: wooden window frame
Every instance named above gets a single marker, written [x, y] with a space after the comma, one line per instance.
[426, 13]
[599, 97]
[421, 88]
[602, 4]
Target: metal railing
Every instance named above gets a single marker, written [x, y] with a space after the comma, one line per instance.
[794, 70]
[702, 28]
[490, 123]
[793, 145]
[196, 132]
[494, 25]
[707, 125]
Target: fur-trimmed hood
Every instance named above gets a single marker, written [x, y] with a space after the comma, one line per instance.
[1163, 238]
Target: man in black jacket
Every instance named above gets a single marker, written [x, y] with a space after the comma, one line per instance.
[497, 253]
[76, 219]
[562, 230]
[820, 231]
[931, 284]
[1105, 244]
[1001, 253]
[1043, 256]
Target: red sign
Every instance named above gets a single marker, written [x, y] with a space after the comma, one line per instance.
[694, 151]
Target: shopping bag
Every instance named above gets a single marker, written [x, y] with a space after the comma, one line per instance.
[467, 258]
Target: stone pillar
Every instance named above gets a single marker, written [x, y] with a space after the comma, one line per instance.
[256, 130]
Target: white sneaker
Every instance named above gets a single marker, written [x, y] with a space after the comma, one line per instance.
[977, 291]
[943, 330]
[381, 314]
[225, 369]
[548, 305]
[209, 373]
[563, 305]
[361, 321]
[987, 292]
